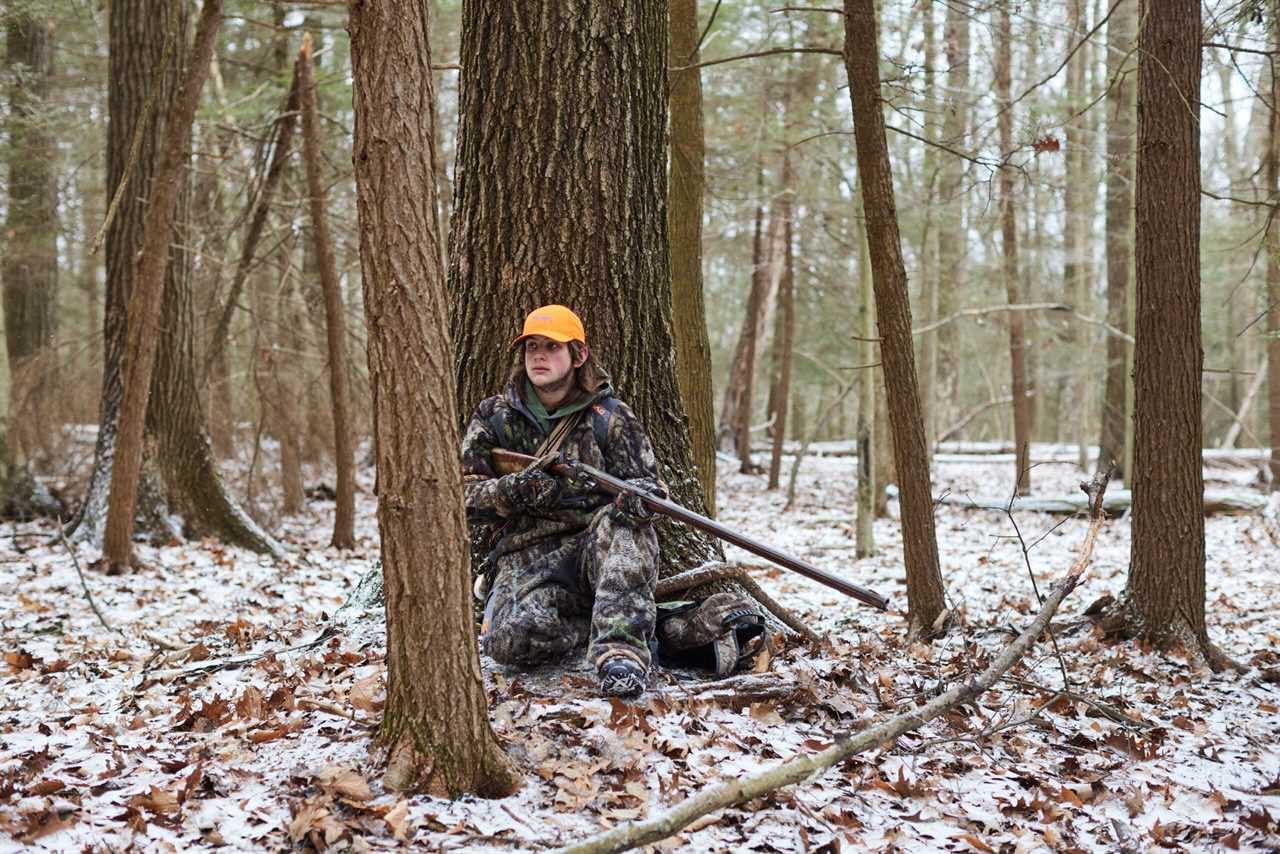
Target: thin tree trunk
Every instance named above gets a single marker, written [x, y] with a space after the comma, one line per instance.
[736, 413]
[950, 208]
[1271, 241]
[1120, 121]
[344, 536]
[1009, 243]
[785, 345]
[893, 313]
[929, 258]
[1164, 599]
[868, 438]
[601, 248]
[30, 265]
[146, 301]
[282, 143]
[435, 726]
[684, 218]
[1074, 387]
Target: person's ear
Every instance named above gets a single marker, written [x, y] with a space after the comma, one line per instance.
[580, 353]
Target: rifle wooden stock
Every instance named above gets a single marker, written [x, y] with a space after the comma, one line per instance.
[507, 462]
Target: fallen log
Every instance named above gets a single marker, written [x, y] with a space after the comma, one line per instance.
[797, 769]
[1216, 502]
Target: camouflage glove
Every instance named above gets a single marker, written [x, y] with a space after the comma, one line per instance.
[531, 489]
[631, 508]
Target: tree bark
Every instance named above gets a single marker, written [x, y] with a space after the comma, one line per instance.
[30, 266]
[146, 301]
[867, 436]
[560, 198]
[1120, 121]
[785, 344]
[1009, 267]
[1164, 601]
[950, 209]
[1271, 241]
[893, 314]
[435, 726]
[344, 535]
[684, 225]
[1075, 265]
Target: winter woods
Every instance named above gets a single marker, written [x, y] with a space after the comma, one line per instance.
[881, 281]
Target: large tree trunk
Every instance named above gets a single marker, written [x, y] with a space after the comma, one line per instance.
[344, 536]
[1120, 121]
[30, 266]
[1009, 245]
[146, 301]
[893, 315]
[435, 727]
[684, 218]
[558, 202]
[1164, 601]
[950, 208]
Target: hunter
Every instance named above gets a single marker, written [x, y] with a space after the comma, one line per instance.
[565, 564]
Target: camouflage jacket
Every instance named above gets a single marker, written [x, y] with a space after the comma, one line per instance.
[608, 437]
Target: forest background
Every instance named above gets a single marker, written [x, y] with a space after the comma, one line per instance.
[759, 112]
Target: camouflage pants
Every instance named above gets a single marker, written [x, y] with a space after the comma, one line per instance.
[596, 586]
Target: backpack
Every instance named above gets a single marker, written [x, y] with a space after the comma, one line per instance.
[721, 633]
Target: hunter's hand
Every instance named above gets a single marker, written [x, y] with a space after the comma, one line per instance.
[631, 509]
[531, 489]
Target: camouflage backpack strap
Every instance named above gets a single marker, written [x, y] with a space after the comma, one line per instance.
[552, 443]
[601, 415]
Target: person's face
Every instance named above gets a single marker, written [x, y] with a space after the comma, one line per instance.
[548, 363]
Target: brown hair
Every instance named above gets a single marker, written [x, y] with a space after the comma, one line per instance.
[588, 378]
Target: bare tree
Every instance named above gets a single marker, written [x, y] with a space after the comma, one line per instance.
[1009, 245]
[146, 301]
[893, 317]
[344, 536]
[1120, 121]
[1164, 600]
[684, 218]
[435, 726]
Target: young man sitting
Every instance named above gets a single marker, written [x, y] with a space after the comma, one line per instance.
[566, 565]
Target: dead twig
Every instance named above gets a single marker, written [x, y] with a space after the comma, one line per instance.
[84, 584]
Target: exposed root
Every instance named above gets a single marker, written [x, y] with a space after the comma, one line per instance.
[1120, 619]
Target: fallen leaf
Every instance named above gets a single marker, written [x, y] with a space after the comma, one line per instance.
[345, 782]
[364, 694]
[397, 819]
[19, 660]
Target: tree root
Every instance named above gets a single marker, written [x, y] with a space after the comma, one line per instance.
[1120, 619]
[712, 572]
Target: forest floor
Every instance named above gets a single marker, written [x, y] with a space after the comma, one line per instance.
[111, 740]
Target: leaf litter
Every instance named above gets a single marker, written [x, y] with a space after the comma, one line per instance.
[122, 742]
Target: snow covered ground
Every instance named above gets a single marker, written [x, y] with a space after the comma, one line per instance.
[108, 744]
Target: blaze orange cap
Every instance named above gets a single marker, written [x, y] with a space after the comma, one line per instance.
[555, 322]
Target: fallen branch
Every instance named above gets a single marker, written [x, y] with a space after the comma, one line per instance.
[738, 791]
[84, 584]
[1227, 502]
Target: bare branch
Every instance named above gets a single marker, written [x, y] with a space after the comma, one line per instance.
[771, 52]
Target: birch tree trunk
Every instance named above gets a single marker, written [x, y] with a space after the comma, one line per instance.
[435, 726]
